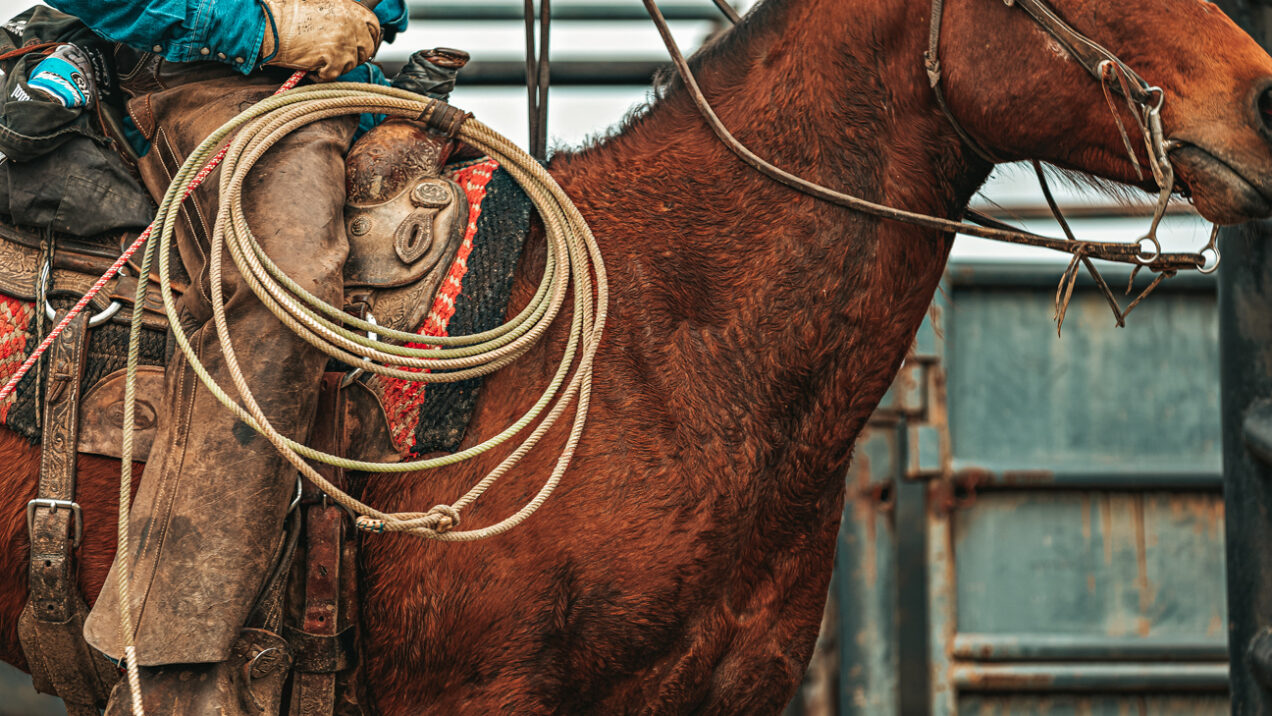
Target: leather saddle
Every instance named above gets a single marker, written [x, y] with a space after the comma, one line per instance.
[405, 223]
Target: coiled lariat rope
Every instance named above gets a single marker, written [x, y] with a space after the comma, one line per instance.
[572, 257]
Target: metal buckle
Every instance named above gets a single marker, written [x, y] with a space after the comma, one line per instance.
[353, 375]
[53, 506]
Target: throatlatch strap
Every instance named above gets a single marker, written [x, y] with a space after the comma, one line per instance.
[52, 623]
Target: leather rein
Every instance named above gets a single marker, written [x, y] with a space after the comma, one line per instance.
[1115, 77]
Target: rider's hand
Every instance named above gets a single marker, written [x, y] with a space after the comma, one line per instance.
[324, 37]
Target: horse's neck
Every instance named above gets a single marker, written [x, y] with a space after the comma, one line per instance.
[760, 313]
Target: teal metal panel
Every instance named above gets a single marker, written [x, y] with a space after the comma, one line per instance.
[1144, 395]
[864, 586]
[1091, 563]
[1075, 534]
[1071, 550]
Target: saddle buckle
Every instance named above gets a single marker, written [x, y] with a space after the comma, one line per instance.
[53, 506]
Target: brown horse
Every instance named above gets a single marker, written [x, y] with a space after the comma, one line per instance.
[683, 564]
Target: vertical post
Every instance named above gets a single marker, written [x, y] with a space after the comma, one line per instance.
[1245, 338]
[1245, 314]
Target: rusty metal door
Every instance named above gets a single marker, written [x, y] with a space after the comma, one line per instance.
[1035, 525]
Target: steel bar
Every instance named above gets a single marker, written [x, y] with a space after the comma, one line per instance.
[981, 477]
[1151, 678]
[1039, 274]
[593, 12]
[1084, 647]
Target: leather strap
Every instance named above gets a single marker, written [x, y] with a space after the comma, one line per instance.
[445, 119]
[76, 267]
[1087, 52]
[51, 625]
[932, 64]
[324, 644]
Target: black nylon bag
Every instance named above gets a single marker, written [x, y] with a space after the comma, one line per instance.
[60, 172]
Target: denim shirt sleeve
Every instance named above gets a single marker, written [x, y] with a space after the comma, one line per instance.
[228, 31]
[393, 14]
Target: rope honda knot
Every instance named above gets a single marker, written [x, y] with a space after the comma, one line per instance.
[442, 518]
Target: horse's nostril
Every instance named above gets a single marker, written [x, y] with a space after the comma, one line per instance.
[1265, 109]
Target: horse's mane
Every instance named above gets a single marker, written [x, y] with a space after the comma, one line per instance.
[720, 52]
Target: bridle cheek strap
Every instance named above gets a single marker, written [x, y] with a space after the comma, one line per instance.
[1092, 56]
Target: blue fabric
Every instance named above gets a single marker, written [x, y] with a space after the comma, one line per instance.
[393, 14]
[55, 77]
[182, 28]
[232, 30]
[140, 145]
[369, 74]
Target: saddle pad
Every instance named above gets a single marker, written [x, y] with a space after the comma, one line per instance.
[473, 298]
[107, 352]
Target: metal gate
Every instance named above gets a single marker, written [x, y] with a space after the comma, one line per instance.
[1035, 525]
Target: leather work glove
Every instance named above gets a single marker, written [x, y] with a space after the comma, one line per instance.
[324, 37]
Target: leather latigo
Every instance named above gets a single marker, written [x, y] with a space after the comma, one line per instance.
[323, 629]
[51, 623]
[404, 220]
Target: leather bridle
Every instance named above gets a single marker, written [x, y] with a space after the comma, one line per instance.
[1114, 76]
[1142, 99]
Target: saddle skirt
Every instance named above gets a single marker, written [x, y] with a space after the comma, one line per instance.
[389, 419]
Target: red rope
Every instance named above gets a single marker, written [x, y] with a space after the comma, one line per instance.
[119, 263]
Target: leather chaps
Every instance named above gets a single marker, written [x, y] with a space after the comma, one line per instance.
[208, 517]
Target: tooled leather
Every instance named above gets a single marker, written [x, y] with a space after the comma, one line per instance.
[375, 259]
[73, 274]
[50, 627]
[51, 573]
[101, 426]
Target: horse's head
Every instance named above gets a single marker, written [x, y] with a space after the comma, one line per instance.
[1019, 91]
